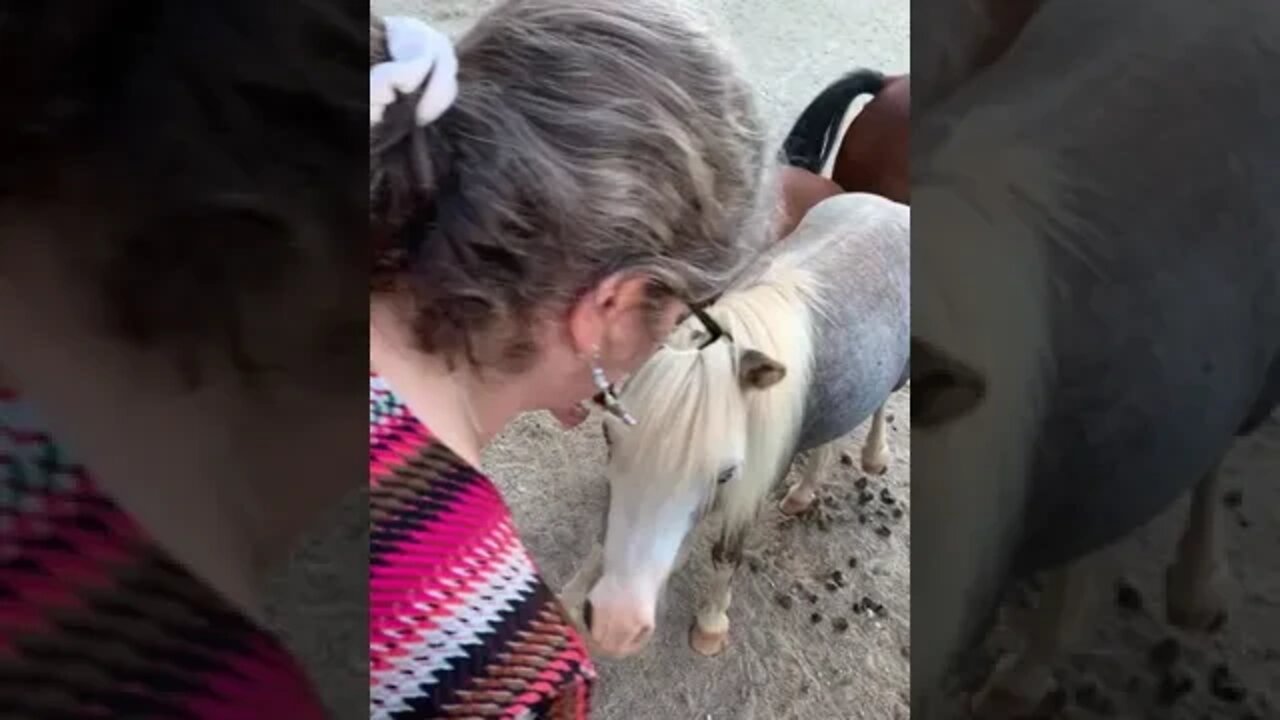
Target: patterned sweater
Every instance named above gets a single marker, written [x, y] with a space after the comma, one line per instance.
[461, 625]
[97, 622]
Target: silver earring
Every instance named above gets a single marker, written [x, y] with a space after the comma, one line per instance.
[607, 398]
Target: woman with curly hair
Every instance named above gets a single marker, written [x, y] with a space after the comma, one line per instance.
[547, 201]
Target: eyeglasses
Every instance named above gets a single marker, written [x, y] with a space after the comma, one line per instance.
[714, 333]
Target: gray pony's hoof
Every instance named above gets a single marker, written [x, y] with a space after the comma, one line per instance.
[998, 703]
[708, 644]
[874, 467]
[1015, 689]
[875, 462]
[1193, 601]
[798, 500]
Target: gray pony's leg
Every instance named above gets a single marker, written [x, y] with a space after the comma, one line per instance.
[1022, 679]
[801, 495]
[875, 450]
[710, 632]
[1196, 582]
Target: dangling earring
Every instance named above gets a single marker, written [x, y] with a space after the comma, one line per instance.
[607, 399]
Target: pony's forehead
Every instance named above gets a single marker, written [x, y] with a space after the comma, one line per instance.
[678, 359]
[678, 434]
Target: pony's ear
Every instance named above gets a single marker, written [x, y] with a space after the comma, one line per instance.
[757, 371]
[943, 389]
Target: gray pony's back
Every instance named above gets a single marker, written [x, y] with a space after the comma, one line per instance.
[858, 245]
[1165, 324]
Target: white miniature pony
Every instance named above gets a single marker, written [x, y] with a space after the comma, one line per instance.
[813, 343]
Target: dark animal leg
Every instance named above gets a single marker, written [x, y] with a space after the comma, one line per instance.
[710, 633]
[1021, 680]
[1195, 584]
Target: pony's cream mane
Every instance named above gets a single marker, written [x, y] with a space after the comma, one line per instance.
[688, 400]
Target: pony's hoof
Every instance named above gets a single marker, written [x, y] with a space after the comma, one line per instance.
[797, 501]
[1194, 602]
[997, 703]
[878, 465]
[1014, 690]
[707, 644]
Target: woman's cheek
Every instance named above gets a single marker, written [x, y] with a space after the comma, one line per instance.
[637, 348]
[642, 353]
[643, 339]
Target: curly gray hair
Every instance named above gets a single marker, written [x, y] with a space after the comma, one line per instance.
[589, 137]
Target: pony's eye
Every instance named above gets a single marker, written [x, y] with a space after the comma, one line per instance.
[724, 476]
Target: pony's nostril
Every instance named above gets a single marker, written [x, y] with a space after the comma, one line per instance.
[586, 614]
[642, 636]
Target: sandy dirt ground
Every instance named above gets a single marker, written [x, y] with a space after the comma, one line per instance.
[1129, 662]
[810, 655]
[781, 662]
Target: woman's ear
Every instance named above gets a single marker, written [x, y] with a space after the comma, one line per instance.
[607, 309]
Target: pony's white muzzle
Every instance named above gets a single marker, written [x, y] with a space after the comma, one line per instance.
[618, 631]
[620, 623]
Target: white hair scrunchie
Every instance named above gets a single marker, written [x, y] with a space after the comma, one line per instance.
[417, 50]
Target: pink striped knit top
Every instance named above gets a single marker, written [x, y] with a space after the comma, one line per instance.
[461, 625]
[96, 621]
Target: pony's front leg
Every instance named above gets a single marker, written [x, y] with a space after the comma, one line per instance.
[801, 495]
[710, 633]
[1196, 582]
[875, 451]
[1022, 680]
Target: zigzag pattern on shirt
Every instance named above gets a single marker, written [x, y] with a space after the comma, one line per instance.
[97, 621]
[460, 623]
